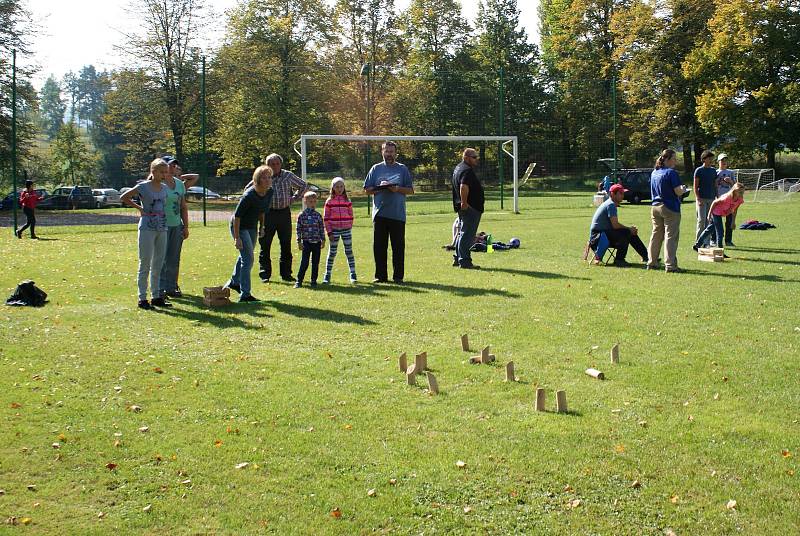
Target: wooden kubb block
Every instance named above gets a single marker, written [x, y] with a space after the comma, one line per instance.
[711, 254]
[411, 375]
[510, 376]
[615, 354]
[561, 402]
[540, 399]
[403, 362]
[465, 343]
[433, 385]
[421, 362]
[216, 296]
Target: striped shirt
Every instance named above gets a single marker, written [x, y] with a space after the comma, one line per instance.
[310, 227]
[288, 187]
[338, 214]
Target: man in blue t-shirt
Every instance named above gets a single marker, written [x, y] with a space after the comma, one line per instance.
[389, 182]
[705, 189]
[606, 221]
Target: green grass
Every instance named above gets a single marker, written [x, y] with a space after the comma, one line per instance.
[305, 387]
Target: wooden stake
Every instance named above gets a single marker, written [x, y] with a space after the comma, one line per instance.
[615, 354]
[594, 373]
[465, 342]
[540, 399]
[561, 401]
[510, 377]
[403, 362]
[421, 362]
[433, 385]
[485, 355]
[411, 375]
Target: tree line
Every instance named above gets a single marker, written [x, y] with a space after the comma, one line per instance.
[645, 75]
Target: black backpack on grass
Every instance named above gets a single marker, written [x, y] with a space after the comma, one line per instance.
[27, 293]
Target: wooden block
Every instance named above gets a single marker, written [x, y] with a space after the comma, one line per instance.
[421, 362]
[540, 399]
[492, 357]
[485, 355]
[433, 385]
[615, 354]
[510, 377]
[710, 258]
[561, 401]
[465, 342]
[216, 302]
[475, 360]
[712, 252]
[594, 373]
[411, 375]
[216, 292]
[403, 362]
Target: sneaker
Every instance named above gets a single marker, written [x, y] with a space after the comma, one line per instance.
[353, 278]
[730, 244]
[298, 284]
[326, 280]
[235, 286]
[144, 304]
[288, 278]
[19, 234]
[380, 280]
[696, 247]
[725, 256]
[160, 302]
[455, 260]
[175, 293]
[248, 298]
[470, 267]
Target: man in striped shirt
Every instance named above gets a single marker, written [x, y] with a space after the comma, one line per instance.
[287, 187]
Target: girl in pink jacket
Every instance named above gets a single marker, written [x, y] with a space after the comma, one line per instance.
[338, 218]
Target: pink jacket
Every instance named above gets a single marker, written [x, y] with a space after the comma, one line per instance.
[338, 214]
[726, 205]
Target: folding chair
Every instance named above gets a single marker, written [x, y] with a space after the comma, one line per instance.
[604, 253]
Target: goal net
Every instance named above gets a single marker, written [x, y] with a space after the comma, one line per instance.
[430, 159]
[759, 181]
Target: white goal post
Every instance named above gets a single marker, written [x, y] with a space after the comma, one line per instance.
[505, 140]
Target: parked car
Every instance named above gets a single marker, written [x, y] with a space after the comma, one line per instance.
[635, 180]
[7, 203]
[196, 192]
[106, 197]
[69, 197]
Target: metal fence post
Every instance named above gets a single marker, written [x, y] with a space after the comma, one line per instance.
[501, 119]
[14, 135]
[203, 162]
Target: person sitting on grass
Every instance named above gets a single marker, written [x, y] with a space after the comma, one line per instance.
[725, 205]
[246, 225]
[338, 218]
[310, 238]
[619, 236]
[152, 231]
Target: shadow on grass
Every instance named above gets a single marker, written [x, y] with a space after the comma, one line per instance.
[767, 250]
[219, 317]
[772, 278]
[769, 261]
[315, 313]
[533, 273]
[420, 286]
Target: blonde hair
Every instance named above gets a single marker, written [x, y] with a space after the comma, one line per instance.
[310, 195]
[154, 165]
[260, 171]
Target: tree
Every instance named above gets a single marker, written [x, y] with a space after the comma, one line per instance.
[71, 156]
[51, 108]
[753, 65]
[164, 45]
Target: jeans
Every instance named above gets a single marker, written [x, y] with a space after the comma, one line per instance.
[244, 264]
[347, 239]
[172, 260]
[152, 248]
[310, 250]
[666, 224]
[276, 221]
[715, 228]
[383, 230]
[702, 214]
[470, 219]
[30, 216]
[730, 225]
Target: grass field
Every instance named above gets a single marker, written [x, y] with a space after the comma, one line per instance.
[305, 388]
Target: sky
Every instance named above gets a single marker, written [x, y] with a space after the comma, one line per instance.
[66, 42]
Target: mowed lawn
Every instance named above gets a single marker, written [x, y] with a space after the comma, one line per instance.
[305, 389]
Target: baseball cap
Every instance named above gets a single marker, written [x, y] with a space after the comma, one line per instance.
[169, 159]
[616, 188]
[722, 156]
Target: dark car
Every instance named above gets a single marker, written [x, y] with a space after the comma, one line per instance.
[69, 197]
[7, 203]
[635, 180]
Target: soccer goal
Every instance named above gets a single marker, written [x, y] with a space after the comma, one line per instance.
[509, 146]
[759, 181]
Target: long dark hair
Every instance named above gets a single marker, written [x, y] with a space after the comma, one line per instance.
[665, 155]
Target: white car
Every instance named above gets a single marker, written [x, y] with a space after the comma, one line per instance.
[196, 192]
[106, 197]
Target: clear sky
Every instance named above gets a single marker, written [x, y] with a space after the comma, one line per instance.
[74, 33]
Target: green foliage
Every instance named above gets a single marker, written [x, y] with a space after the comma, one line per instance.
[71, 158]
[51, 108]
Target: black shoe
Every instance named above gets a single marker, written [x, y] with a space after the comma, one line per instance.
[19, 234]
[695, 247]
[288, 278]
[470, 267]
[248, 298]
[397, 281]
[455, 260]
[674, 270]
[175, 293]
[298, 284]
[160, 302]
[730, 244]
[313, 283]
[144, 304]
[725, 256]
[34, 237]
[380, 280]
[235, 287]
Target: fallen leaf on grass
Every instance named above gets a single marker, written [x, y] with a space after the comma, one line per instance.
[158, 370]
[336, 513]
[674, 499]
[371, 492]
[101, 515]
[242, 465]
[574, 503]
[348, 426]
[619, 449]
[636, 484]
[786, 453]
[392, 481]
[218, 443]
[56, 445]
[25, 520]
[186, 482]
[690, 418]
[467, 509]
[15, 405]
[134, 408]
[567, 488]
[790, 472]
[460, 464]
[147, 508]
[730, 505]
[111, 466]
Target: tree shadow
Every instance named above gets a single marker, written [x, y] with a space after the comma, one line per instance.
[533, 273]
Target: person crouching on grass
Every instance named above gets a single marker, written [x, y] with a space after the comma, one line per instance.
[248, 223]
[720, 207]
[152, 231]
[310, 238]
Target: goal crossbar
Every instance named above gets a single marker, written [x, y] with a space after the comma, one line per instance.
[504, 140]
